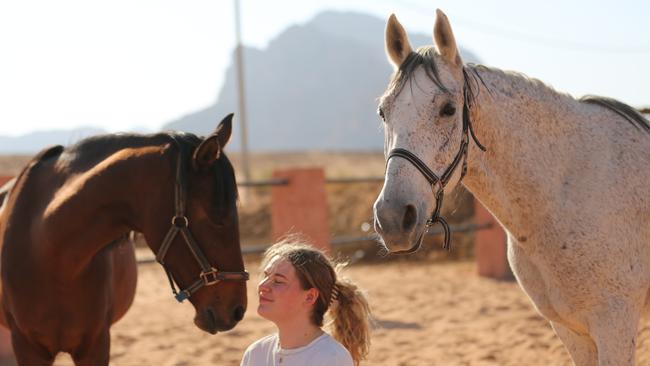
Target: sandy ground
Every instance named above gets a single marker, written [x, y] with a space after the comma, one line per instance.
[426, 313]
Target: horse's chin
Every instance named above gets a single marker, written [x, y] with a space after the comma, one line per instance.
[212, 331]
[401, 244]
[210, 324]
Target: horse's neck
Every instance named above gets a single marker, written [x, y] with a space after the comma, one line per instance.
[531, 133]
[95, 206]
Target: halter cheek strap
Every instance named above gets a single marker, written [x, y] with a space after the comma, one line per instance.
[180, 224]
[438, 184]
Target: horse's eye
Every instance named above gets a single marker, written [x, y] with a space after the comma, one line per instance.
[380, 112]
[448, 110]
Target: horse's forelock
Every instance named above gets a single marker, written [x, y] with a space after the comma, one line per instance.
[423, 56]
[225, 185]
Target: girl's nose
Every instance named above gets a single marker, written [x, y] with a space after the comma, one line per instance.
[263, 286]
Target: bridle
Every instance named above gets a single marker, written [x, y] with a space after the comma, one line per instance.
[438, 184]
[180, 224]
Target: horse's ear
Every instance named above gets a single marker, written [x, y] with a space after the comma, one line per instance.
[445, 40]
[211, 148]
[224, 130]
[398, 46]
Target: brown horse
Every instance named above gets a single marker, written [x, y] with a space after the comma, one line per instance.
[65, 277]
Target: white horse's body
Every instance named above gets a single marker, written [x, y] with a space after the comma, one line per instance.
[568, 180]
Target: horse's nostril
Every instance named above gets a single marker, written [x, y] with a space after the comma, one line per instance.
[211, 318]
[410, 217]
[239, 313]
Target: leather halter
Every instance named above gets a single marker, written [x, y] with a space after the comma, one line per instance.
[180, 224]
[438, 184]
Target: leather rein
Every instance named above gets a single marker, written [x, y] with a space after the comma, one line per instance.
[180, 224]
[438, 184]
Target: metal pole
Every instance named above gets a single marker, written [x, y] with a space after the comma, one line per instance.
[239, 55]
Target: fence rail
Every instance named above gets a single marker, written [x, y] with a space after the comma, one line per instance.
[352, 239]
[283, 182]
[355, 239]
[264, 183]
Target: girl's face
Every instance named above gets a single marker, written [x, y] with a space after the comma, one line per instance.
[281, 297]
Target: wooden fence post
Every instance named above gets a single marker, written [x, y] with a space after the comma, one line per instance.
[301, 206]
[490, 246]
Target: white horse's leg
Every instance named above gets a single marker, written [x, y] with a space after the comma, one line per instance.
[614, 330]
[581, 347]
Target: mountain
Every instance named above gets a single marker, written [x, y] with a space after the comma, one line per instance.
[35, 141]
[314, 87]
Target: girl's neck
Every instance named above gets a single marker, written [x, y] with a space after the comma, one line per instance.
[295, 334]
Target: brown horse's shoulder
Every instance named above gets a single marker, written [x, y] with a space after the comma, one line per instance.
[31, 189]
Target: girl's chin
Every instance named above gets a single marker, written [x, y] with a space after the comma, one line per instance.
[262, 311]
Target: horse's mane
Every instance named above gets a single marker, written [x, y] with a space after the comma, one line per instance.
[99, 146]
[91, 150]
[622, 109]
[424, 56]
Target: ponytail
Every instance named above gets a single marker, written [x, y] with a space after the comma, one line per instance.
[350, 320]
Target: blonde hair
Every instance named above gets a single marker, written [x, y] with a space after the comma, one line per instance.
[348, 308]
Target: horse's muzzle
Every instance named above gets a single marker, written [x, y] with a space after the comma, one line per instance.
[208, 320]
[396, 224]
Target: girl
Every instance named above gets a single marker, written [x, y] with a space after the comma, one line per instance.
[299, 285]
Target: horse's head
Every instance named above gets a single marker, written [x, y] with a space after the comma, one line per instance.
[422, 111]
[201, 250]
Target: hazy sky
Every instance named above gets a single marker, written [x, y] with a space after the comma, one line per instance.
[137, 64]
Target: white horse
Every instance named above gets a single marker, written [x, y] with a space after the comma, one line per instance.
[568, 179]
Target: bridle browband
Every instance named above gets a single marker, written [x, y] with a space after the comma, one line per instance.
[180, 224]
[438, 184]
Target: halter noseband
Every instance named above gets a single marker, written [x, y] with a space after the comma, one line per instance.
[438, 184]
[180, 224]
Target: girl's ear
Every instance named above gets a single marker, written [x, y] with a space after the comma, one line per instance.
[312, 296]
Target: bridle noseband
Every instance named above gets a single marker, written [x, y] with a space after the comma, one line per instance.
[438, 184]
[180, 224]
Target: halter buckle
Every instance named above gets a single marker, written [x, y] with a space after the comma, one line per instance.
[180, 221]
[210, 277]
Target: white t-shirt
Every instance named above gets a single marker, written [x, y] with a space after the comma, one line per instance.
[322, 351]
